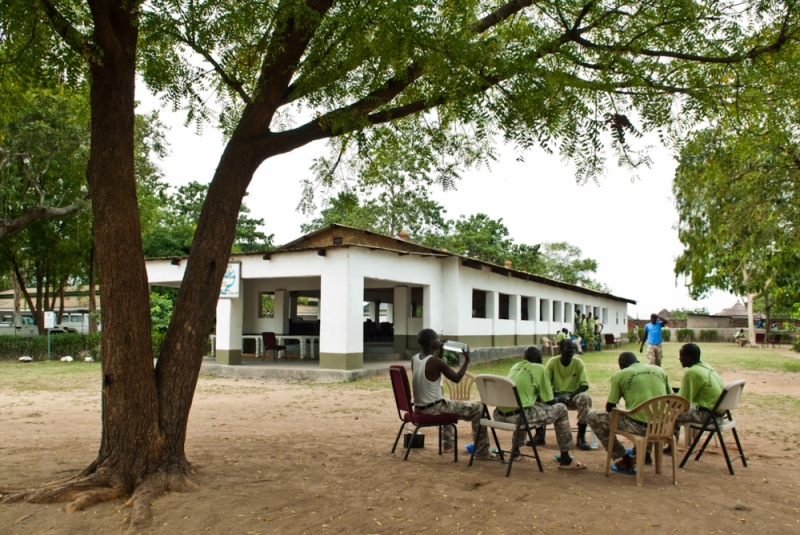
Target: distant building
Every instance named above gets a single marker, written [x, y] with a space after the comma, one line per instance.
[341, 268]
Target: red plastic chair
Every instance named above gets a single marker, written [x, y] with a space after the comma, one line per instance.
[760, 339]
[402, 396]
[271, 343]
[775, 339]
[610, 340]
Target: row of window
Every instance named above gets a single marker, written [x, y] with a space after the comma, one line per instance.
[549, 310]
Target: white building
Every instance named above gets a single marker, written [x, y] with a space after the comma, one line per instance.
[340, 267]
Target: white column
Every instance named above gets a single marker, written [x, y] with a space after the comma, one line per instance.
[281, 312]
[341, 321]
[402, 299]
[373, 312]
[515, 314]
[432, 308]
[390, 312]
[229, 331]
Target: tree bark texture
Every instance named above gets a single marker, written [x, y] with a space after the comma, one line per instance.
[131, 444]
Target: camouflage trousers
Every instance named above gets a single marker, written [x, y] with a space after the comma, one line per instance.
[465, 410]
[694, 415]
[541, 414]
[581, 403]
[600, 422]
[654, 354]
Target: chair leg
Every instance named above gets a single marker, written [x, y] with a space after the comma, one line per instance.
[612, 437]
[439, 428]
[410, 443]
[674, 446]
[725, 452]
[398, 436]
[641, 445]
[455, 443]
[659, 455]
[535, 451]
[705, 445]
[739, 446]
[497, 444]
[472, 455]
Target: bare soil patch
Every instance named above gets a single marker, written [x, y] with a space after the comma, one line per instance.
[278, 458]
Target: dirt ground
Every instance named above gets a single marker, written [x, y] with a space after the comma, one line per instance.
[279, 458]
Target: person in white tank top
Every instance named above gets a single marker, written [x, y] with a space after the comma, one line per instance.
[427, 368]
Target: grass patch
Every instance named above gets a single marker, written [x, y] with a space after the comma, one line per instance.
[52, 376]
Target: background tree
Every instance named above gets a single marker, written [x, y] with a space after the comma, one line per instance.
[44, 145]
[562, 261]
[737, 200]
[558, 74]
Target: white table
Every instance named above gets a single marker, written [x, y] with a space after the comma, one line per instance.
[257, 337]
[303, 339]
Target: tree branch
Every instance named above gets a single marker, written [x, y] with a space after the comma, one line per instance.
[74, 38]
[500, 14]
[8, 227]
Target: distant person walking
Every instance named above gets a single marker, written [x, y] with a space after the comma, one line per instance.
[652, 335]
[636, 338]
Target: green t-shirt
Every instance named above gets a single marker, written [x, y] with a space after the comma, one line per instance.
[532, 384]
[636, 384]
[560, 336]
[701, 385]
[590, 325]
[566, 378]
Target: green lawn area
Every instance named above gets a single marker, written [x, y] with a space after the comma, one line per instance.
[52, 376]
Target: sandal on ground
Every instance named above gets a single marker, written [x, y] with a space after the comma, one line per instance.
[621, 470]
[574, 465]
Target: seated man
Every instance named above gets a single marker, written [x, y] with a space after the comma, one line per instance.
[635, 383]
[427, 368]
[740, 338]
[701, 386]
[568, 377]
[540, 408]
[562, 335]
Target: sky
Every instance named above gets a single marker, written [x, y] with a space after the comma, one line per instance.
[625, 222]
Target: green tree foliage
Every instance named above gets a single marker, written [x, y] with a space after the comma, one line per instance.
[44, 139]
[737, 200]
[173, 229]
[563, 261]
[680, 313]
[161, 306]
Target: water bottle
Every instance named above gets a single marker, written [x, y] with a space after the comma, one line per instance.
[455, 347]
[594, 442]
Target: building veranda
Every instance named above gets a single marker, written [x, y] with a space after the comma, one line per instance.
[342, 268]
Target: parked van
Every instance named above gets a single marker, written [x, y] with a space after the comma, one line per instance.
[77, 321]
[16, 324]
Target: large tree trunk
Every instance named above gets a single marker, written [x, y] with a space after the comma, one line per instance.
[132, 444]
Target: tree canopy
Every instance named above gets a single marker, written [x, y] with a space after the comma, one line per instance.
[450, 76]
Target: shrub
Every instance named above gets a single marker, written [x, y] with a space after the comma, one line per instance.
[93, 345]
[61, 345]
[158, 339]
[685, 335]
[666, 334]
[709, 335]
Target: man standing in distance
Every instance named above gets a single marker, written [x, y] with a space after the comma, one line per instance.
[570, 382]
[652, 335]
[427, 368]
[636, 383]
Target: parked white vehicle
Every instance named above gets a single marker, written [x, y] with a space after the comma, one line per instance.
[16, 324]
[77, 321]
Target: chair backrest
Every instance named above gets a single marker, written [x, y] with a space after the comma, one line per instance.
[460, 391]
[546, 341]
[661, 413]
[775, 339]
[269, 340]
[729, 399]
[609, 338]
[497, 391]
[402, 392]
[760, 338]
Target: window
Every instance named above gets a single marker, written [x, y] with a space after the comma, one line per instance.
[503, 313]
[337, 240]
[524, 311]
[28, 320]
[478, 304]
[76, 318]
[557, 311]
[267, 308]
[544, 310]
[617, 317]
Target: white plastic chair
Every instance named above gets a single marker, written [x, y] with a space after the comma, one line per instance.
[499, 391]
[728, 401]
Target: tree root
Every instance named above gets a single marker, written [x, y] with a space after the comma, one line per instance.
[83, 491]
[153, 485]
